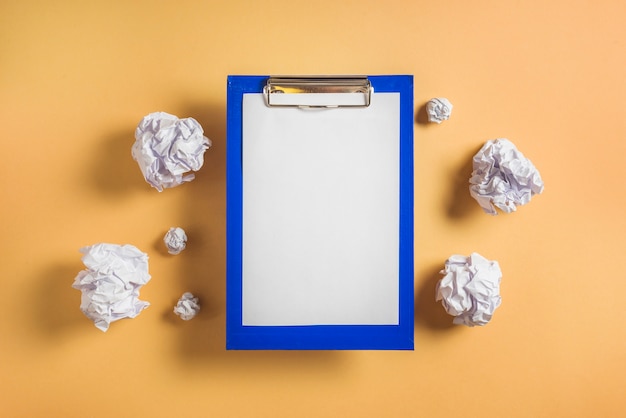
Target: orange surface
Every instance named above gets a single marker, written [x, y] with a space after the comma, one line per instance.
[75, 79]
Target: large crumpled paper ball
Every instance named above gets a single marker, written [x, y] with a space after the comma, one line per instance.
[503, 177]
[110, 284]
[470, 289]
[167, 148]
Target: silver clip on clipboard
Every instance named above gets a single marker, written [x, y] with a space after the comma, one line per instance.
[312, 92]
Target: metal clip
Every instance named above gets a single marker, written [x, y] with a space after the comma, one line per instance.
[313, 92]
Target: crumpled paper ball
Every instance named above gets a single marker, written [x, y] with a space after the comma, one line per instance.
[438, 109]
[110, 284]
[166, 148]
[187, 306]
[470, 289]
[175, 240]
[503, 177]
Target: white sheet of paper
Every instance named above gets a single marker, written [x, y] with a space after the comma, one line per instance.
[321, 213]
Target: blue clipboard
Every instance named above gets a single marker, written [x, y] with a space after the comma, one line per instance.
[319, 213]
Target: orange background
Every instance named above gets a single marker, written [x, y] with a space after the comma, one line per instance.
[75, 79]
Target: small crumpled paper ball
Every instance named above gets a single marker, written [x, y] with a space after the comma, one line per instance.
[503, 177]
[187, 306]
[438, 109]
[470, 289]
[175, 240]
[166, 148]
[110, 284]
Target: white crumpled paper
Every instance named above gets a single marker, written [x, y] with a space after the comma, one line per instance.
[470, 289]
[187, 306]
[167, 147]
[503, 177]
[175, 240]
[110, 284]
[438, 109]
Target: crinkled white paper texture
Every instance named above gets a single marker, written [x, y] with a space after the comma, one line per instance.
[166, 148]
[111, 282]
[503, 177]
[187, 306]
[438, 109]
[470, 289]
[175, 240]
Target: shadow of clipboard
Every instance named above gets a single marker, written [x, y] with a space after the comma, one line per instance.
[319, 213]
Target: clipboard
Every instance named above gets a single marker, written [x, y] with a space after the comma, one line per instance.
[319, 213]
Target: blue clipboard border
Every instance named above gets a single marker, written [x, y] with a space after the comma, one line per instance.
[316, 337]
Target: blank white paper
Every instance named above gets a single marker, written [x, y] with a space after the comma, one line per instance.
[321, 213]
